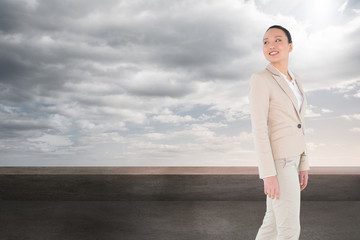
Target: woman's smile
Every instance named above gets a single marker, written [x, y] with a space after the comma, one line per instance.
[273, 53]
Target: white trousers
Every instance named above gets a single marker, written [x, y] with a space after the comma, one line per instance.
[282, 217]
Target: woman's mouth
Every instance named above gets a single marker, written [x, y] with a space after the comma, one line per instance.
[273, 53]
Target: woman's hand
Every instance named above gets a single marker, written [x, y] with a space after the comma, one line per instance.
[271, 187]
[304, 177]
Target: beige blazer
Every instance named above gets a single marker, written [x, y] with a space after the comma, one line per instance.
[277, 126]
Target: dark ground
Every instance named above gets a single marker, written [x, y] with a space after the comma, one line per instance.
[166, 207]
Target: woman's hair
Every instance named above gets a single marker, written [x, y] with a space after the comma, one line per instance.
[287, 33]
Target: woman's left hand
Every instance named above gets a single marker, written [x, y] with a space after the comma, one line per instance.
[304, 177]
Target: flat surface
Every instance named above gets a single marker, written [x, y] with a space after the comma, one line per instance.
[163, 170]
[166, 187]
[167, 220]
[166, 207]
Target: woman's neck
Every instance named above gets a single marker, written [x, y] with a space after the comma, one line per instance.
[282, 67]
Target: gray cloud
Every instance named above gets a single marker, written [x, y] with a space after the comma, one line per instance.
[105, 74]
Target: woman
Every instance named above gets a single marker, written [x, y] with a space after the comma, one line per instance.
[277, 103]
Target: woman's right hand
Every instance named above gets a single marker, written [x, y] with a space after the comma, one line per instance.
[271, 187]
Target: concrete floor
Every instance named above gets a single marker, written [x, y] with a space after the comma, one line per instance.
[166, 188]
[37, 206]
[167, 220]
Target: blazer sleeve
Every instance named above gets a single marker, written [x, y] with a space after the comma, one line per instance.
[259, 98]
[304, 162]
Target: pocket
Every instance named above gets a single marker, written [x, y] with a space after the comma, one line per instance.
[292, 161]
[281, 162]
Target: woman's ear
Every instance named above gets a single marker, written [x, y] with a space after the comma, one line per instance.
[290, 47]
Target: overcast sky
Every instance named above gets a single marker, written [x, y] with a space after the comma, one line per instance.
[164, 83]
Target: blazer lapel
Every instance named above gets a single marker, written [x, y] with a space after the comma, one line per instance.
[302, 110]
[285, 87]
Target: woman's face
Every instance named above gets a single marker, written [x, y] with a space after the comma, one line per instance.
[276, 47]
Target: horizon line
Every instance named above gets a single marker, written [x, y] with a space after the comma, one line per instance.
[164, 170]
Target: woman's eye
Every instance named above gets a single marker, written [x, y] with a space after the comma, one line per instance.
[278, 40]
[265, 43]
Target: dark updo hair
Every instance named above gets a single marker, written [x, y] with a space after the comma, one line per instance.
[287, 33]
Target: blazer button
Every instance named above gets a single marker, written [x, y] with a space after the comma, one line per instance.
[299, 125]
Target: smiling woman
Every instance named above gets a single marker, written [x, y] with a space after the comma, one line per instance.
[277, 103]
[276, 47]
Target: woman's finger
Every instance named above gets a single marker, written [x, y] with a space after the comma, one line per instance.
[277, 194]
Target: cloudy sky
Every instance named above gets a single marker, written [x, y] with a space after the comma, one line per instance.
[164, 83]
